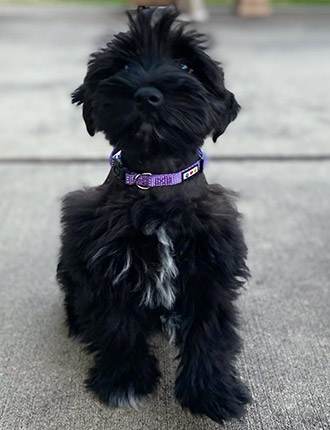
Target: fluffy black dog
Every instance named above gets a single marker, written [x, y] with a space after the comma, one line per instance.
[136, 258]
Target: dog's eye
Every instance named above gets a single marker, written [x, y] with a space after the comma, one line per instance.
[128, 67]
[185, 68]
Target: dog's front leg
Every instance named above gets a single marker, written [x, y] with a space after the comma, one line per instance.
[124, 370]
[207, 382]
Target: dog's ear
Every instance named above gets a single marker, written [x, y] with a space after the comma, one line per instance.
[226, 110]
[79, 97]
[224, 104]
[192, 46]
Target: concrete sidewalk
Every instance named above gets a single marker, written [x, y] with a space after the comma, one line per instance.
[279, 71]
[278, 68]
[285, 310]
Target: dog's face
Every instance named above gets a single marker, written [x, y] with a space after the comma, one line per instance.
[155, 87]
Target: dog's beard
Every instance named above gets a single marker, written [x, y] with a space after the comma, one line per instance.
[145, 132]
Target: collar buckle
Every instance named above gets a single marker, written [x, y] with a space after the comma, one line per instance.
[118, 169]
[142, 187]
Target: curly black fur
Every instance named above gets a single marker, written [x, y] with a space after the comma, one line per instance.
[132, 259]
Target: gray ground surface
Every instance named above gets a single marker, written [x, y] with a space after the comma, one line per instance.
[285, 309]
[278, 68]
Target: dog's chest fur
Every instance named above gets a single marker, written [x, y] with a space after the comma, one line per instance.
[157, 285]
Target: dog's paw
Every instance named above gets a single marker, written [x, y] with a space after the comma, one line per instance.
[124, 389]
[115, 396]
[219, 400]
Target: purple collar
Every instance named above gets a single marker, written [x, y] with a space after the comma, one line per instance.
[144, 181]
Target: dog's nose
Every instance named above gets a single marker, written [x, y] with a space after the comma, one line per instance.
[148, 96]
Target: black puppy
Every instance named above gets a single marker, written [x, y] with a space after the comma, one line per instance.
[156, 244]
